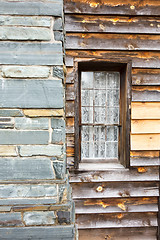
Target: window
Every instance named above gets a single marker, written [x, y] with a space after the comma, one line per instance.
[102, 112]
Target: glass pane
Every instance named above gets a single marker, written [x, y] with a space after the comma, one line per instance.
[112, 133]
[113, 80]
[87, 133]
[99, 97]
[86, 80]
[100, 80]
[111, 149]
[99, 149]
[87, 114]
[99, 115]
[113, 98]
[99, 134]
[87, 97]
[112, 116]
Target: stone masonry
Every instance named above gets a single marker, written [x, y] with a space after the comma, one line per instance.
[35, 195]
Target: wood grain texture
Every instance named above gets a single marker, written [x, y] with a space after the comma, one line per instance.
[112, 24]
[145, 126]
[139, 59]
[145, 76]
[117, 220]
[112, 41]
[117, 7]
[146, 93]
[145, 110]
[116, 175]
[145, 142]
[145, 233]
[114, 190]
[113, 205]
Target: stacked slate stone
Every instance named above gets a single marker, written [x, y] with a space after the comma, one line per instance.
[35, 196]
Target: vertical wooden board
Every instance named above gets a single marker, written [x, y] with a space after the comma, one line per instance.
[145, 142]
[70, 92]
[145, 126]
[145, 110]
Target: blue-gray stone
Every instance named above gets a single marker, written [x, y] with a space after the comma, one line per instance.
[31, 94]
[23, 137]
[58, 36]
[58, 24]
[28, 190]
[33, 21]
[28, 201]
[5, 208]
[31, 53]
[31, 123]
[41, 150]
[39, 233]
[58, 136]
[59, 169]
[58, 72]
[23, 169]
[31, 8]
[11, 113]
[57, 123]
[10, 219]
[39, 218]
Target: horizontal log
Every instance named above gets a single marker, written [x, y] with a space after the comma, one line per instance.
[116, 175]
[145, 233]
[117, 220]
[145, 76]
[145, 110]
[145, 142]
[139, 59]
[117, 7]
[108, 41]
[70, 151]
[144, 162]
[145, 126]
[145, 93]
[111, 24]
[112, 205]
[121, 190]
[145, 154]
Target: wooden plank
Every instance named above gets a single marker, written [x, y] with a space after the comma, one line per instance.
[146, 93]
[70, 75]
[70, 152]
[145, 110]
[117, 7]
[145, 126]
[112, 41]
[70, 109]
[145, 76]
[114, 190]
[139, 59]
[145, 142]
[123, 175]
[144, 162]
[145, 233]
[144, 154]
[113, 205]
[112, 24]
[122, 220]
[70, 92]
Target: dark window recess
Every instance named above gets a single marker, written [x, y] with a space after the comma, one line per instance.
[102, 112]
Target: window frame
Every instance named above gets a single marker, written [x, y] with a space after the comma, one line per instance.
[124, 68]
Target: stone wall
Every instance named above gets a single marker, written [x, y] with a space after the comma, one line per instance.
[35, 196]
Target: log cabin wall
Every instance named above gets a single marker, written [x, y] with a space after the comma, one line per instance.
[127, 208]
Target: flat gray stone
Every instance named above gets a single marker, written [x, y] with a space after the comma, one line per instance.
[39, 233]
[34, 21]
[23, 169]
[25, 71]
[31, 94]
[28, 201]
[5, 208]
[58, 72]
[25, 33]
[11, 113]
[23, 137]
[19, 53]
[57, 123]
[41, 150]
[59, 168]
[32, 8]
[31, 123]
[58, 136]
[27, 190]
[10, 219]
[39, 218]
[58, 24]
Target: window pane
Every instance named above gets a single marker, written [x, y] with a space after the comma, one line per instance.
[100, 93]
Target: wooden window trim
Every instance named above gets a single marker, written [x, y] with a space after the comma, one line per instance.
[124, 67]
